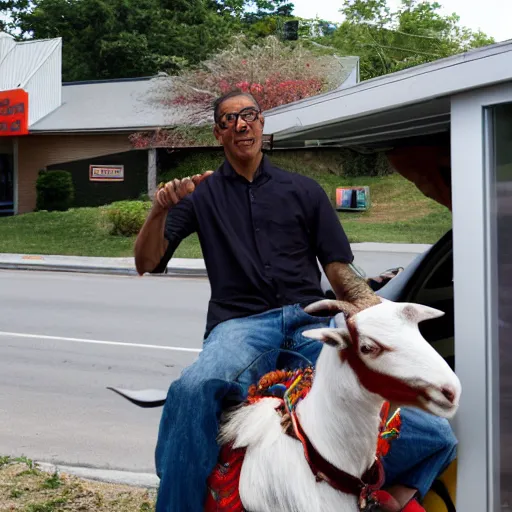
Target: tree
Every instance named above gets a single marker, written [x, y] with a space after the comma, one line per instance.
[274, 72]
[388, 41]
[123, 38]
[243, 9]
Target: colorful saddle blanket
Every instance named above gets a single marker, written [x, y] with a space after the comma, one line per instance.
[291, 387]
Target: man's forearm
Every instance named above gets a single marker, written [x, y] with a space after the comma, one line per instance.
[151, 244]
[349, 287]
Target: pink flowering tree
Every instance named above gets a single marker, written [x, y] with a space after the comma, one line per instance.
[274, 72]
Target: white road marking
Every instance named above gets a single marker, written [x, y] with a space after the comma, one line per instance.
[97, 342]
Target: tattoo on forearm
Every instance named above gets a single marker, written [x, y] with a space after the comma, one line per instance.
[350, 287]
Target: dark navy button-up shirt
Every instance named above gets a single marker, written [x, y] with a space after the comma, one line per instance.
[260, 239]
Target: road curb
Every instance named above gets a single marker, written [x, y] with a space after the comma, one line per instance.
[179, 267]
[171, 271]
[112, 476]
[390, 248]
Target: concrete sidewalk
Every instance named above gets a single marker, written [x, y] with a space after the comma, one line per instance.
[176, 267]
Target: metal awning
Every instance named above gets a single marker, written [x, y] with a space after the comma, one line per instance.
[375, 113]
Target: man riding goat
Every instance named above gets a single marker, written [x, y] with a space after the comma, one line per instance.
[261, 231]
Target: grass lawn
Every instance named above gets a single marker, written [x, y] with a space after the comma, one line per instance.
[399, 213]
[25, 488]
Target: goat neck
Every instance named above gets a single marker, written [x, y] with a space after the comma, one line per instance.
[339, 416]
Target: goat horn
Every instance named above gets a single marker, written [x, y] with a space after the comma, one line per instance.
[329, 307]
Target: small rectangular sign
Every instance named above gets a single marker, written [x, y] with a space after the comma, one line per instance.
[353, 198]
[106, 173]
[13, 113]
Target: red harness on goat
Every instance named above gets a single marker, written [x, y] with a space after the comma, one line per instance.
[223, 492]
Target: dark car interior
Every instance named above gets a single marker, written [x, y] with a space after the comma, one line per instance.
[432, 285]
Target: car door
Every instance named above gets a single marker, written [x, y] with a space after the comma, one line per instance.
[429, 281]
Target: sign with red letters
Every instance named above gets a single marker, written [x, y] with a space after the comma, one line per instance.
[13, 113]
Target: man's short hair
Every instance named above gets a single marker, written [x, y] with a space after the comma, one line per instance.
[233, 94]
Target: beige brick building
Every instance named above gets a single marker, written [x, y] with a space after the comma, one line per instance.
[61, 123]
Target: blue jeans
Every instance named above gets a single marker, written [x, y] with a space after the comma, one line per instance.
[235, 355]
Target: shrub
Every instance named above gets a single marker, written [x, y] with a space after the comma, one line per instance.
[191, 163]
[360, 164]
[125, 218]
[55, 191]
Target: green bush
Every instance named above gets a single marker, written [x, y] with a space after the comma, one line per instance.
[360, 164]
[125, 218]
[55, 191]
[188, 164]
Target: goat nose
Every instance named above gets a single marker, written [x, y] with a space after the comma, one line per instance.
[449, 394]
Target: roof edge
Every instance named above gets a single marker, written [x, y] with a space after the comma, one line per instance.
[113, 80]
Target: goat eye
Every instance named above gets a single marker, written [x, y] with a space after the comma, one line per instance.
[369, 349]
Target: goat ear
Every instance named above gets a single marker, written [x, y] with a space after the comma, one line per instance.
[337, 336]
[418, 312]
[328, 335]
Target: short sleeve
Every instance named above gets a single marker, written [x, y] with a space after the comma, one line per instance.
[181, 222]
[331, 242]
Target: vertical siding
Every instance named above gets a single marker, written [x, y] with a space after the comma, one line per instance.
[45, 88]
[34, 66]
[7, 43]
[38, 151]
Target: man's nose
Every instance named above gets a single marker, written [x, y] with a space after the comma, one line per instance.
[241, 125]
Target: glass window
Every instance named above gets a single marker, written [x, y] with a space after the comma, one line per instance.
[502, 209]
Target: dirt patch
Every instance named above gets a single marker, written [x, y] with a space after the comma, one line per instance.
[24, 487]
[389, 212]
[396, 212]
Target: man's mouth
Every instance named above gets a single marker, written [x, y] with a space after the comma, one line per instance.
[245, 142]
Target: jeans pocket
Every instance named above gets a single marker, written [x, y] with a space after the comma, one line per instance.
[316, 318]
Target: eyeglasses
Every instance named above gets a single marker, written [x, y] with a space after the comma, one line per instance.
[249, 115]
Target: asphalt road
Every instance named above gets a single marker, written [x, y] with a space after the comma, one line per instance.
[54, 405]
[64, 338]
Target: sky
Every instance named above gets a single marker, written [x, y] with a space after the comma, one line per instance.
[491, 16]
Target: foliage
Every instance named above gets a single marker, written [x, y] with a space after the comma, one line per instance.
[104, 39]
[126, 217]
[31, 489]
[274, 72]
[254, 9]
[388, 41]
[360, 164]
[399, 213]
[55, 190]
[180, 136]
[186, 163]
[123, 38]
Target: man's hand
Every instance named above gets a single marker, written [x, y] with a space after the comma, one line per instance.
[174, 191]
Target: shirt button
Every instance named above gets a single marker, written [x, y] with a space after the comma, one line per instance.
[278, 296]
[257, 230]
[267, 266]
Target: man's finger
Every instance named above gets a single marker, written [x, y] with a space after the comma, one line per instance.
[186, 187]
[198, 178]
[171, 192]
[160, 197]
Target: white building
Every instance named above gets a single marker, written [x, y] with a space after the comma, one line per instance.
[460, 107]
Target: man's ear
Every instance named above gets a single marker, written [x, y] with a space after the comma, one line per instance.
[217, 134]
[262, 120]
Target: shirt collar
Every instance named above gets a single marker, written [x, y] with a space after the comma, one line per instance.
[262, 171]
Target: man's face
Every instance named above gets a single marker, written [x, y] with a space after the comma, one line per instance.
[242, 139]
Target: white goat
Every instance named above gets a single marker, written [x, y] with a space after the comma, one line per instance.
[340, 415]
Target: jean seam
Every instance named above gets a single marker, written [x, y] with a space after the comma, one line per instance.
[252, 362]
